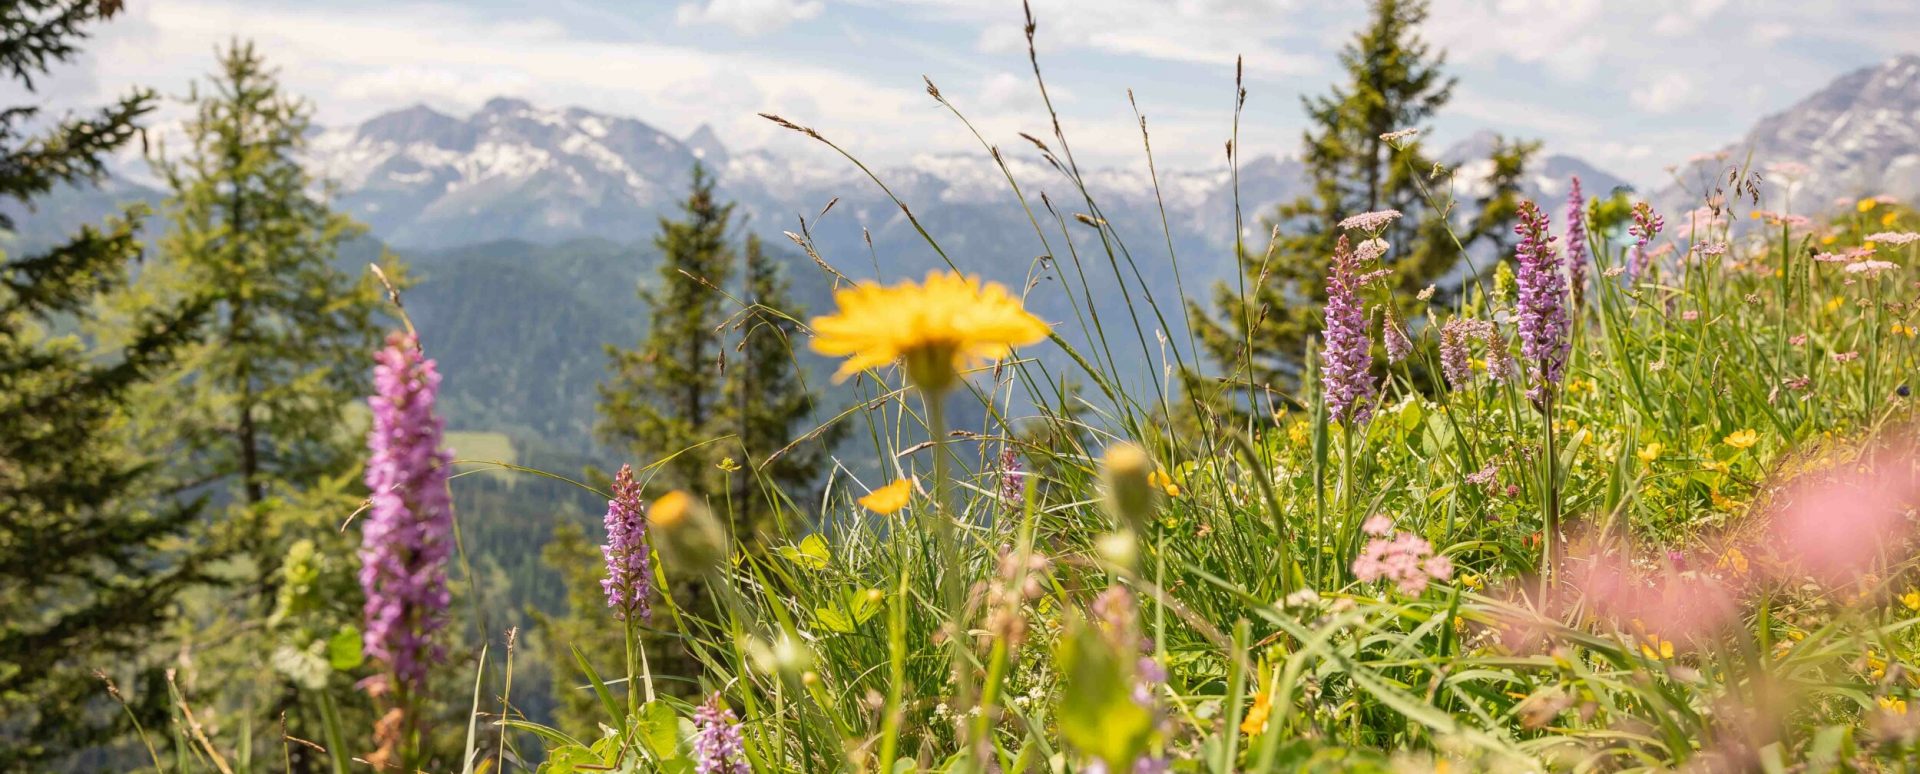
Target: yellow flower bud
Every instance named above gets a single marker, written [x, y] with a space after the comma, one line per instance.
[1131, 495]
[690, 540]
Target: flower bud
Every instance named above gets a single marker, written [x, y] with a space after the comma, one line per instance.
[690, 540]
[1119, 549]
[1130, 493]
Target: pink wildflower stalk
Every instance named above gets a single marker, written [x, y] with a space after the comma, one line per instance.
[1346, 359]
[1646, 226]
[1577, 243]
[717, 745]
[408, 532]
[629, 580]
[1542, 303]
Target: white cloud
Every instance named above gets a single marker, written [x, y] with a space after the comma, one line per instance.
[1269, 33]
[1684, 18]
[1666, 93]
[751, 18]
[1769, 33]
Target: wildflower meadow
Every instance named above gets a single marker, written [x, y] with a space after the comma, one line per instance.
[1435, 480]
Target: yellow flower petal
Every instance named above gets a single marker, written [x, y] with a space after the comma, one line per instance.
[945, 324]
[1742, 439]
[889, 499]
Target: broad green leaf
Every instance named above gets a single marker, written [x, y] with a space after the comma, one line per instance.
[659, 729]
[343, 649]
[811, 553]
[833, 620]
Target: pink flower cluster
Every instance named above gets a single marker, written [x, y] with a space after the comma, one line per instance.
[1402, 557]
[1370, 222]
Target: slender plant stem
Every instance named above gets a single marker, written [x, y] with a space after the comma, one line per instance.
[1550, 502]
[943, 527]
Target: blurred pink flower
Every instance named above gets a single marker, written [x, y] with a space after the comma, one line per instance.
[1404, 558]
[1674, 603]
[1834, 525]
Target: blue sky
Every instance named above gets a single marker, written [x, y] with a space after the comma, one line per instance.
[1630, 86]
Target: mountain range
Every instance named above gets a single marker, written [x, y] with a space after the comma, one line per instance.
[1857, 136]
[530, 227]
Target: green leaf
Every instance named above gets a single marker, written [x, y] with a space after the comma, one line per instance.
[1097, 713]
[659, 730]
[343, 650]
[811, 553]
[615, 712]
[864, 603]
[833, 620]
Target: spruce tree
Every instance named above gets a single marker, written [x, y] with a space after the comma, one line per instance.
[262, 416]
[662, 398]
[267, 403]
[89, 562]
[768, 403]
[1394, 82]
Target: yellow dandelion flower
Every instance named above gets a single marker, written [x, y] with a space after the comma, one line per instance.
[1889, 218]
[1892, 705]
[1911, 599]
[1257, 714]
[1834, 304]
[1742, 439]
[1829, 239]
[1650, 452]
[1866, 205]
[948, 323]
[889, 499]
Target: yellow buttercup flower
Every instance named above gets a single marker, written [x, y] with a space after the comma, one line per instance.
[938, 327]
[1829, 239]
[1733, 560]
[1903, 330]
[1650, 452]
[1866, 205]
[1163, 482]
[1892, 705]
[1742, 439]
[1911, 599]
[1889, 218]
[889, 499]
[1656, 649]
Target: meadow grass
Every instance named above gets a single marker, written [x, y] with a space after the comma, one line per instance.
[1728, 461]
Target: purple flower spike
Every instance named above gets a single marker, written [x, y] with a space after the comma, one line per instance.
[1542, 304]
[407, 536]
[1646, 226]
[629, 576]
[1346, 357]
[717, 746]
[1577, 242]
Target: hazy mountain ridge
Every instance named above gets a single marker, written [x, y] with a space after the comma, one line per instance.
[1857, 136]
